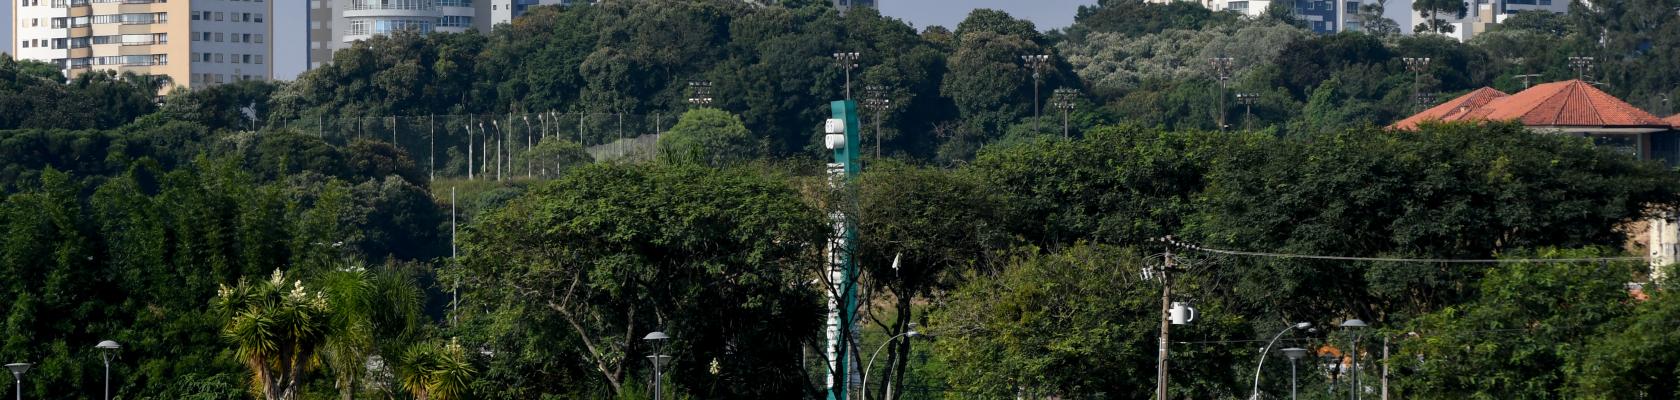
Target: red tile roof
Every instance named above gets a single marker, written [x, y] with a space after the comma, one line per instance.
[1673, 120]
[1570, 103]
[1452, 110]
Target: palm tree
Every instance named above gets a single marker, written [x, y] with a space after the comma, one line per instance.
[277, 326]
[433, 372]
[350, 294]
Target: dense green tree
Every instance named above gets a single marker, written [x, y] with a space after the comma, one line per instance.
[1516, 337]
[1437, 14]
[1633, 358]
[921, 231]
[707, 136]
[590, 263]
[1043, 324]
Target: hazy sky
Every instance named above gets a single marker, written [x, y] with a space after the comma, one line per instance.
[1047, 14]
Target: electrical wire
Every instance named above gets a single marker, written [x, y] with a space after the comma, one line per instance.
[1200, 248]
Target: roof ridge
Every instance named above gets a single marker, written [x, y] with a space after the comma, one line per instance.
[1568, 86]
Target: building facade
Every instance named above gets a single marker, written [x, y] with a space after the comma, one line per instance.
[1322, 16]
[338, 24]
[193, 42]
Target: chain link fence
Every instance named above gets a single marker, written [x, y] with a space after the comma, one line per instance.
[494, 146]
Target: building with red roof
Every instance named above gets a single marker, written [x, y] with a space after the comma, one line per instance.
[1566, 107]
[1575, 107]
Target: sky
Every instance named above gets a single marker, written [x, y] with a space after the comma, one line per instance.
[1047, 14]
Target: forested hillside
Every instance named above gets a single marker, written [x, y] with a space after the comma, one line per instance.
[484, 216]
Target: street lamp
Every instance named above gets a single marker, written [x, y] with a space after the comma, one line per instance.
[867, 367]
[107, 352]
[1581, 66]
[1035, 63]
[1294, 354]
[658, 338]
[17, 376]
[1267, 349]
[847, 60]
[1353, 376]
[1063, 99]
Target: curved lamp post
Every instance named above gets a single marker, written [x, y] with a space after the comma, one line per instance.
[1267, 349]
[1294, 354]
[17, 376]
[107, 352]
[1353, 377]
[658, 338]
[868, 367]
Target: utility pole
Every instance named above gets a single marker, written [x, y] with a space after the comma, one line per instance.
[1526, 78]
[1418, 66]
[469, 152]
[877, 101]
[1166, 325]
[1035, 64]
[393, 131]
[431, 138]
[1222, 74]
[1385, 368]
[1064, 99]
[454, 261]
[847, 61]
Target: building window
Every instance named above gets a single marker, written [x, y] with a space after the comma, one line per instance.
[259, 59]
[219, 37]
[259, 18]
[259, 38]
[245, 37]
[455, 21]
[1237, 6]
[219, 58]
[25, 44]
[245, 58]
[218, 15]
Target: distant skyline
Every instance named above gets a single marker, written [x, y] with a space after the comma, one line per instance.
[1045, 14]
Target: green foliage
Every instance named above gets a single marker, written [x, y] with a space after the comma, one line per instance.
[1635, 357]
[1041, 326]
[278, 327]
[36, 96]
[591, 262]
[1432, 10]
[433, 371]
[1457, 190]
[553, 156]
[707, 136]
[1515, 339]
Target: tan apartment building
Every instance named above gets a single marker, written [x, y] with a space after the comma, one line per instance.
[196, 43]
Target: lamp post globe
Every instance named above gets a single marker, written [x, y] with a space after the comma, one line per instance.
[107, 351]
[1353, 353]
[1294, 354]
[658, 338]
[17, 376]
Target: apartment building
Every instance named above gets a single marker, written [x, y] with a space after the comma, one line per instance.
[336, 24]
[1322, 16]
[195, 43]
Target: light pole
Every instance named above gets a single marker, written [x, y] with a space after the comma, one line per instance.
[1581, 66]
[1294, 354]
[658, 339]
[17, 376]
[877, 101]
[1035, 63]
[107, 352]
[871, 365]
[700, 93]
[1248, 100]
[1417, 66]
[1353, 376]
[847, 61]
[1222, 73]
[1063, 99]
[1267, 349]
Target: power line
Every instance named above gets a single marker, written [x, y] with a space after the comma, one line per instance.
[1398, 259]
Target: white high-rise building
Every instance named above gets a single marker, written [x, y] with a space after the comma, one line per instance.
[336, 24]
[193, 42]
